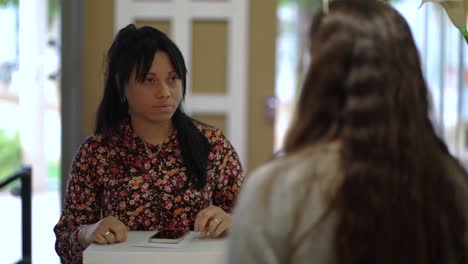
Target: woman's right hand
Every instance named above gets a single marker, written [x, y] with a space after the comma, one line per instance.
[108, 230]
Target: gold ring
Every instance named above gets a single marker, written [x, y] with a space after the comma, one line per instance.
[216, 220]
[108, 232]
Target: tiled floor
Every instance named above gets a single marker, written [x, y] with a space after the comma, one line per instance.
[46, 211]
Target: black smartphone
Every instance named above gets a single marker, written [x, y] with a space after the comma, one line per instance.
[170, 236]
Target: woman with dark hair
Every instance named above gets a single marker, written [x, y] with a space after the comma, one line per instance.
[148, 165]
[365, 179]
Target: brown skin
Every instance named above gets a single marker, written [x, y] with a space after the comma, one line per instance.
[212, 221]
[107, 231]
[152, 103]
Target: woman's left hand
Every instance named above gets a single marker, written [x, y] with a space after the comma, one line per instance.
[212, 221]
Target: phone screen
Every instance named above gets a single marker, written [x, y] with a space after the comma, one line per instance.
[169, 234]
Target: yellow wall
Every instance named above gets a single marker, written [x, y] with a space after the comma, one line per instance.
[209, 56]
[98, 29]
[261, 78]
[98, 35]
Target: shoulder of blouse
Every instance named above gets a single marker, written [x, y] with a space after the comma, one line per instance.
[96, 140]
[100, 143]
[312, 165]
[214, 135]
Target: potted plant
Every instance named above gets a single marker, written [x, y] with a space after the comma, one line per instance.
[457, 10]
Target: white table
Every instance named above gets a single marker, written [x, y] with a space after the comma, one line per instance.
[203, 251]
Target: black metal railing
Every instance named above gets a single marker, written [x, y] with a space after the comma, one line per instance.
[24, 175]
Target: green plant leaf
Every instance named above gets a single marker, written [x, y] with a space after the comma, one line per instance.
[9, 2]
[457, 11]
[10, 154]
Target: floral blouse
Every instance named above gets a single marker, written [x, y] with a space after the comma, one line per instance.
[113, 174]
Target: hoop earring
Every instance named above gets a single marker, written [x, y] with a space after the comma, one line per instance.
[123, 99]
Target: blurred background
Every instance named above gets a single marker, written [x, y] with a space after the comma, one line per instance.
[246, 62]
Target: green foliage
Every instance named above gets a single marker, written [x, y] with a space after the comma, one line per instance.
[9, 2]
[10, 154]
[53, 6]
[53, 174]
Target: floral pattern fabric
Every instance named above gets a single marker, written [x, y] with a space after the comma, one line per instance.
[113, 174]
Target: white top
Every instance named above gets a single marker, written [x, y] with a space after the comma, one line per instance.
[279, 209]
[283, 214]
[199, 250]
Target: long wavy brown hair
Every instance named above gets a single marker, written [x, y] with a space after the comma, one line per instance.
[365, 87]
